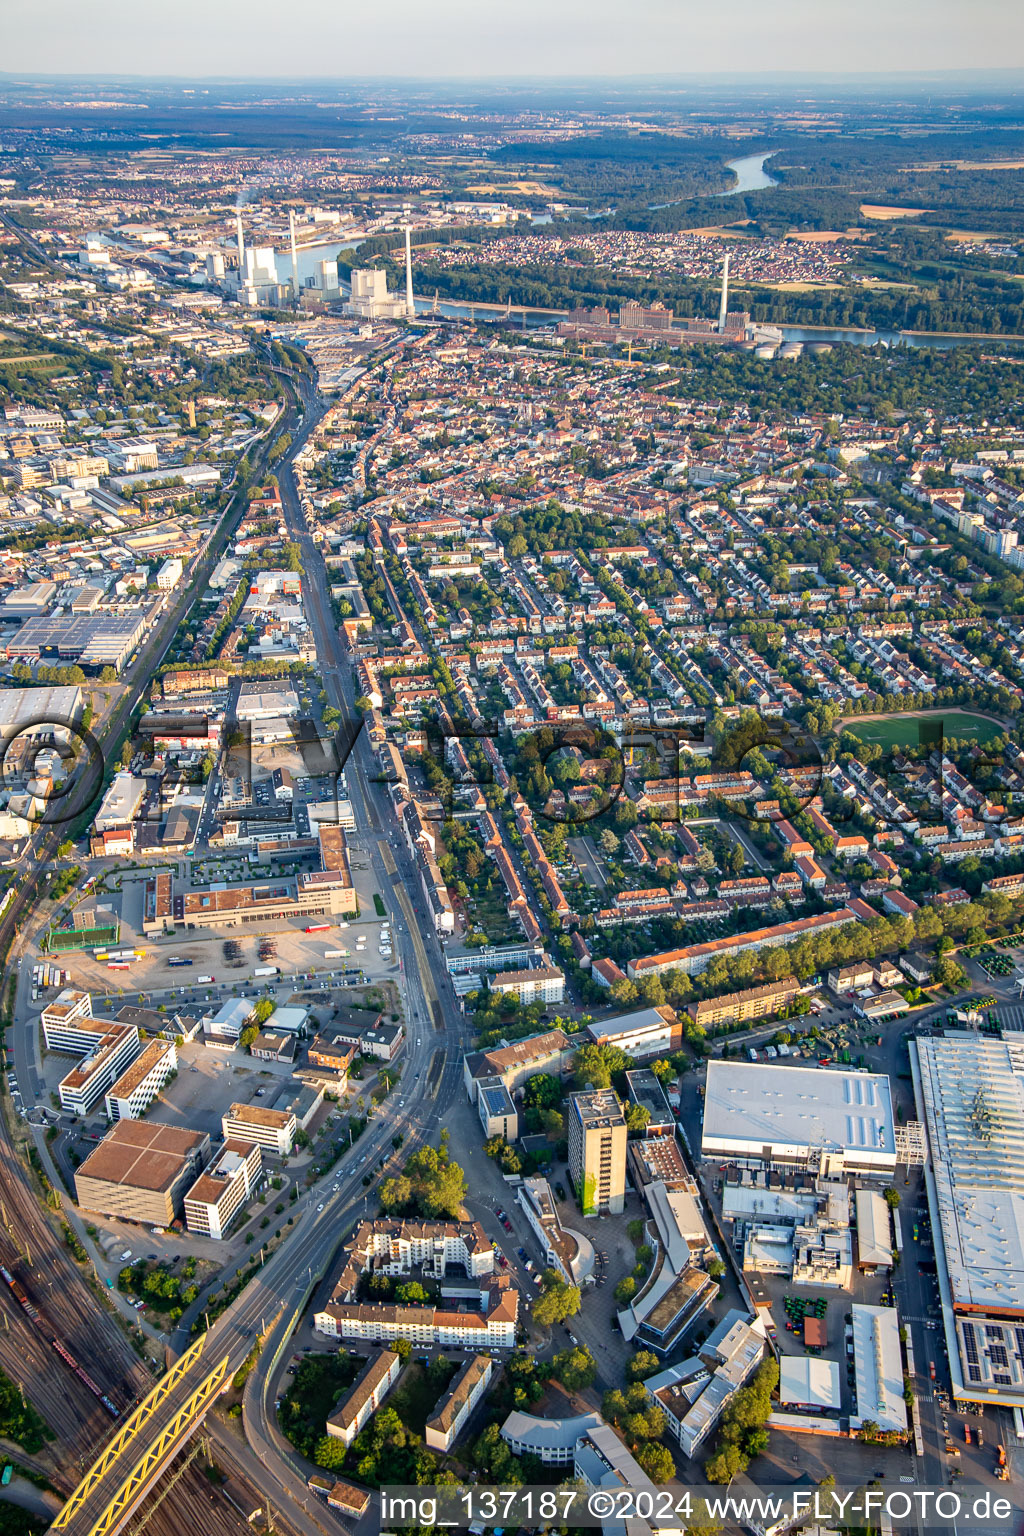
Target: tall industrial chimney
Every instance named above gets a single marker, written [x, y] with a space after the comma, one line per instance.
[410, 303]
[295, 258]
[724, 306]
[241, 248]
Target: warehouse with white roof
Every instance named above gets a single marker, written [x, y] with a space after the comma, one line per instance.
[830, 1123]
[970, 1095]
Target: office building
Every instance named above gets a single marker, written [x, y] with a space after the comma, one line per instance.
[221, 1191]
[695, 1393]
[112, 1047]
[67, 1022]
[823, 1122]
[645, 1090]
[597, 1151]
[140, 1171]
[169, 574]
[272, 1129]
[365, 1396]
[564, 1249]
[451, 1414]
[134, 1091]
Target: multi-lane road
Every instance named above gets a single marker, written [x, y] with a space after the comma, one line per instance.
[273, 1303]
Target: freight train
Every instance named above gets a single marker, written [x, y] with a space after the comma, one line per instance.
[18, 1292]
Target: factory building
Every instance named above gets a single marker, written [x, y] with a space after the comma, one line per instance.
[827, 1123]
[970, 1094]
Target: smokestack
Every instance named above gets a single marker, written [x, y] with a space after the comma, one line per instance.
[723, 307]
[410, 303]
[241, 247]
[295, 259]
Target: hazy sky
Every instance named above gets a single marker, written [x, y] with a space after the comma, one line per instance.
[339, 38]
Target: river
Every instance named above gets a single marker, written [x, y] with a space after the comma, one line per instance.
[750, 174]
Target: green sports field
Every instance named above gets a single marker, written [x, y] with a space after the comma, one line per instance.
[903, 730]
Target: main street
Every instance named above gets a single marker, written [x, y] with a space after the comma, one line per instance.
[272, 1303]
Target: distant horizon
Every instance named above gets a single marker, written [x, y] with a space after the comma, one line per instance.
[538, 40]
[752, 76]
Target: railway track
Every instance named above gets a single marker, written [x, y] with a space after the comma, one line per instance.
[55, 1287]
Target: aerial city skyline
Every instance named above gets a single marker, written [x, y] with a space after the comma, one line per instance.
[512, 816]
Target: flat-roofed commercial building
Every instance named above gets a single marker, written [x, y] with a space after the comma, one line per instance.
[115, 1047]
[365, 1396]
[874, 1240]
[43, 713]
[449, 1417]
[140, 1171]
[272, 1129]
[643, 1034]
[597, 1151]
[878, 1369]
[829, 1123]
[120, 803]
[970, 1095]
[497, 1112]
[61, 1030]
[645, 1090]
[266, 701]
[221, 1191]
[92, 640]
[320, 894]
[738, 1007]
[134, 1091]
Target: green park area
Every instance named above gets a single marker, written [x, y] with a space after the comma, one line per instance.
[905, 730]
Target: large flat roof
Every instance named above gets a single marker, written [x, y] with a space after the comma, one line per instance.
[972, 1092]
[807, 1382]
[750, 1106]
[141, 1155]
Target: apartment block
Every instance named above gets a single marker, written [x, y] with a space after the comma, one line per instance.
[446, 1422]
[542, 984]
[365, 1396]
[597, 1151]
[752, 1003]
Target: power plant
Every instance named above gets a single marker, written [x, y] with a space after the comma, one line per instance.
[658, 326]
[410, 303]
